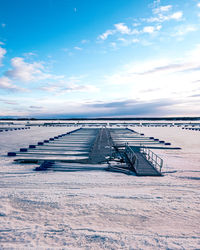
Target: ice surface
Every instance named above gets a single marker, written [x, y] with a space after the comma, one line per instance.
[99, 209]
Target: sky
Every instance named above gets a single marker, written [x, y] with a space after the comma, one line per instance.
[99, 58]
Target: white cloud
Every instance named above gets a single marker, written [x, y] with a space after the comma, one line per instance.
[135, 32]
[113, 45]
[6, 83]
[193, 55]
[136, 24]
[128, 41]
[158, 27]
[105, 35]
[80, 88]
[176, 16]
[73, 79]
[155, 4]
[3, 25]
[29, 54]
[2, 54]
[135, 40]
[77, 48]
[184, 30]
[169, 78]
[8, 101]
[119, 27]
[162, 9]
[26, 72]
[51, 88]
[122, 28]
[69, 88]
[198, 5]
[122, 39]
[69, 85]
[149, 29]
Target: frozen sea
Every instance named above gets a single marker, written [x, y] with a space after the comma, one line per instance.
[101, 209]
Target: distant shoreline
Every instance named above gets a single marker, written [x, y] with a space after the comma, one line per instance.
[107, 118]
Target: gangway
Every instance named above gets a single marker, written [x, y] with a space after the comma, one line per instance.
[144, 161]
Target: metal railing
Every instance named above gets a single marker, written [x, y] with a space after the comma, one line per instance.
[131, 156]
[153, 158]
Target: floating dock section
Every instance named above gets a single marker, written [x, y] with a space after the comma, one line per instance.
[134, 148]
[94, 146]
[143, 163]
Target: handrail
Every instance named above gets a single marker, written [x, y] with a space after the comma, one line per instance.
[156, 161]
[131, 155]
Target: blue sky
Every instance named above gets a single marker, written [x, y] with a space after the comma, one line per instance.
[99, 58]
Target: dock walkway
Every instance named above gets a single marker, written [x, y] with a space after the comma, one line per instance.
[132, 154]
[144, 167]
[101, 148]
[90, 146]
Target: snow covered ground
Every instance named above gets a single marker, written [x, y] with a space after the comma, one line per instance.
[99, 209]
